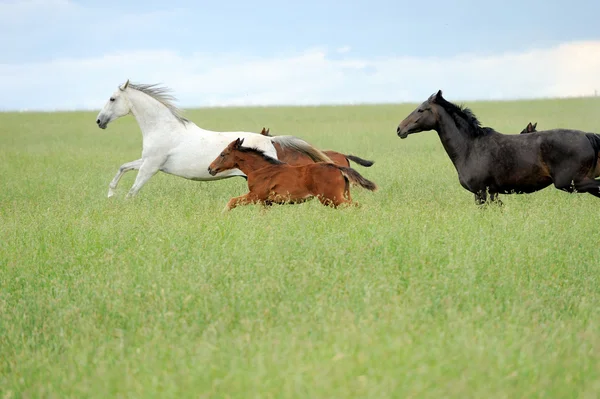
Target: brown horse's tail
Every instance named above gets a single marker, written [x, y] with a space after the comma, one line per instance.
[297, 144]
[356, 178]
[360, 161]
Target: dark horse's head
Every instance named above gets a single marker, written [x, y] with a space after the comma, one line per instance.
[224, 161]
[529, 128]
[422, 119]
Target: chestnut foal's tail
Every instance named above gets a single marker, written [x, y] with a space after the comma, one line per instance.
[356, 178]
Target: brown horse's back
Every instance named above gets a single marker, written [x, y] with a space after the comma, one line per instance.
[338, 158]
[296, 158]
[291, 157]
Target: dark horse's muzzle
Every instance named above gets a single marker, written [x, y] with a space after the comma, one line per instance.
[401, 134]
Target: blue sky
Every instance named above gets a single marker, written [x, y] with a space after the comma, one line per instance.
[347, 48]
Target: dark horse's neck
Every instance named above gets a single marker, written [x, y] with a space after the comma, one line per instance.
[456, 141]
[249, 161]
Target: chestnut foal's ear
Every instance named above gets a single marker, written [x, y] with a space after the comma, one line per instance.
[238, 143]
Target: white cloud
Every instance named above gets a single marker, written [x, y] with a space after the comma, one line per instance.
[310, 77]
[344, 49]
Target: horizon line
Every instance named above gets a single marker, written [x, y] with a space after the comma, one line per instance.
[308, 105]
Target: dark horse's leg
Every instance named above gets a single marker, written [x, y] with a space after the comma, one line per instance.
[586, 185]
[495, 199]
[481, 198]
[589, 185]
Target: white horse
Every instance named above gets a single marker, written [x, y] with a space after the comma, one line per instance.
[177, 146]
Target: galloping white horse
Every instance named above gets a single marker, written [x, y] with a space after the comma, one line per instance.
[175, 145]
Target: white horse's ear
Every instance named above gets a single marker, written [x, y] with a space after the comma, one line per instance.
[124, 86]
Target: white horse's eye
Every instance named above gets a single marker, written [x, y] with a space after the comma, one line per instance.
[112, 99]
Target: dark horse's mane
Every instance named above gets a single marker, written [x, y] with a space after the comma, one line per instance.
[261, 153]
[464, 117]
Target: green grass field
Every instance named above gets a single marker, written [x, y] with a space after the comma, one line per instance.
[417, 293]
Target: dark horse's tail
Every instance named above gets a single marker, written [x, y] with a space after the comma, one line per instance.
[360, 161]
[595, 142]
[356, 178]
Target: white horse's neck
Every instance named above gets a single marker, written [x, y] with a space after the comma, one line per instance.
[153, 117]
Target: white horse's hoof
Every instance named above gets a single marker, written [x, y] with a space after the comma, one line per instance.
[111, 193]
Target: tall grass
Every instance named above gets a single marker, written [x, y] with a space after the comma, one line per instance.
[417, 293]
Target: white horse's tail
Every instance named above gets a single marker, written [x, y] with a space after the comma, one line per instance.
[297, 144]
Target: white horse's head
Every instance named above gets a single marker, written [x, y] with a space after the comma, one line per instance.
[117, 106]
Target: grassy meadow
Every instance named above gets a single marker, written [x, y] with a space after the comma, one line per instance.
[417, 293]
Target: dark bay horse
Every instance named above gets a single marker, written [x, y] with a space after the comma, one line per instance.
[491, 162]
[298, 158]
[272, 181]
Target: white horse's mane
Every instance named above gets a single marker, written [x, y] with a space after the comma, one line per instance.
[160, 94]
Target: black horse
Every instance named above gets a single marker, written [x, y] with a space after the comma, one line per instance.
[496, 163]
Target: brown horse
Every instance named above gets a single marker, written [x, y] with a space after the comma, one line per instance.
[529, 128]
[297, 158]
[272, 181]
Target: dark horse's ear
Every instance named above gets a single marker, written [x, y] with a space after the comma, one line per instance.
[436, 96]
[533, 126]
[529, 127]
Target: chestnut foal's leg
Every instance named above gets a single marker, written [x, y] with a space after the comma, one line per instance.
[337, 196]
[241, 200]
[335, 201]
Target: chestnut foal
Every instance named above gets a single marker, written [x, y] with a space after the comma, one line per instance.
[272, 181]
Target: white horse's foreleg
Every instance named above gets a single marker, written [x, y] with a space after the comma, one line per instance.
[126, 167]
[148, 169]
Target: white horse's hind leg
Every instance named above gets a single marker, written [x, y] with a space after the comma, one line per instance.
[126, 167]
[148, 169]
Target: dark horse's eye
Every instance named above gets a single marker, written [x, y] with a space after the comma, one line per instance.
[112, 99]
[420, 110]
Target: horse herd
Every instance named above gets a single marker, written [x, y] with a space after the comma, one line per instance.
[287, 169]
